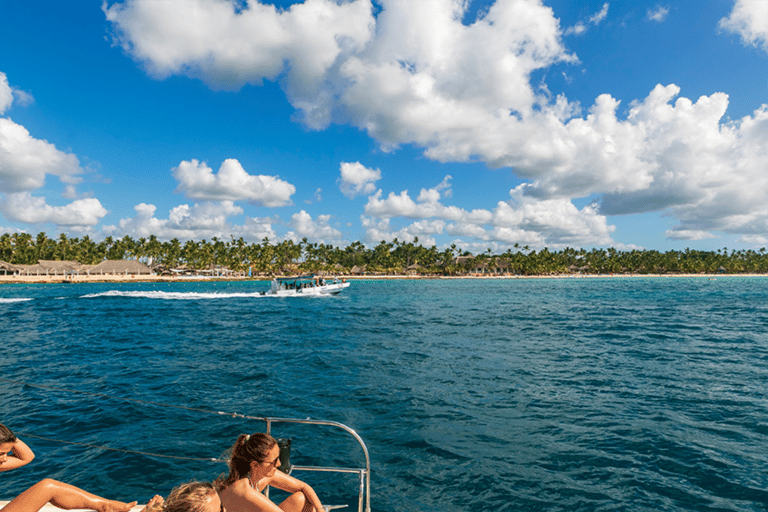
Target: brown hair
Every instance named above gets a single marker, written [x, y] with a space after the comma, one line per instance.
[6, 435]
[190, 497]
[247, 449]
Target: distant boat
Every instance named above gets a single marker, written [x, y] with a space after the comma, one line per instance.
[306, 285]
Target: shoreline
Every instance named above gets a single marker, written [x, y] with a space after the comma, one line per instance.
[122, 278]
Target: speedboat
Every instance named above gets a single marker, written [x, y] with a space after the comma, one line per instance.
[306, 285]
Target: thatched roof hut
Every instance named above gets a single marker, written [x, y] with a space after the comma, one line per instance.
[127, 267]
[33, 270]
[8, 268]
[413, 269]
[62, 267]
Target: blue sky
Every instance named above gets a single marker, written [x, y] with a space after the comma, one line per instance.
[480, 123]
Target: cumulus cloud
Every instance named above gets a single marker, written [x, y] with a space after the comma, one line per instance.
[658, 13]
[25, 161]
[199, 221]
[232, 183]
[313, 229]
[710, 176]
[416, 74]
[377, 230]
[23, 207]
[522, 219]
[24, 164]
[228, 47]
[749, 19]
[426, 205]
[356, 179]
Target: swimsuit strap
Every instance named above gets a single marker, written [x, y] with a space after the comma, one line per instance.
[251, 483]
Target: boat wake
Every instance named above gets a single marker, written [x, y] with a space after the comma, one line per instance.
[185, 295]
[171, 295]
[9, 301]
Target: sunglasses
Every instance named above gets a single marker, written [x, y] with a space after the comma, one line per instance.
[274, 462]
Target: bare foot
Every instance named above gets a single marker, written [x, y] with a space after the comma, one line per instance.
[115, 506]
[154, 505]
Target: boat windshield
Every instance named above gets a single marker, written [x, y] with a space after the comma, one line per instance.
[302, 282]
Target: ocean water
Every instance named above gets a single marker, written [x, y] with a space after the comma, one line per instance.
[641, 394]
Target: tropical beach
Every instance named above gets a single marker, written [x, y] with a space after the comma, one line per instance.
[126, 259]
[123, 278]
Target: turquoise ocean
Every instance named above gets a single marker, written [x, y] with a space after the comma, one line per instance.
[636, 394]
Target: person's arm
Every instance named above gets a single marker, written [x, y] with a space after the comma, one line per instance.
[21, 456]
[243, 498]
[290, 484]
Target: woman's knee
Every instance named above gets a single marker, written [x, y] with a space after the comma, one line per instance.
[48, 484]
[295, 502]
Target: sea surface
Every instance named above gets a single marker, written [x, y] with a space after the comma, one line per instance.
[630, 394]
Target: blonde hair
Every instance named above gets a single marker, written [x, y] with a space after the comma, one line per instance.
[190, 497]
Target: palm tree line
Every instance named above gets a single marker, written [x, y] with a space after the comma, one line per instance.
[395, 257]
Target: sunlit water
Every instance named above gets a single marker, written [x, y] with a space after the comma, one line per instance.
[571, 394]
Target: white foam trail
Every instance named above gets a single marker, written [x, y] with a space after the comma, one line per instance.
[9, 301]
[171, 295]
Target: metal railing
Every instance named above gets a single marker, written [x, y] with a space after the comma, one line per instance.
[364, 493]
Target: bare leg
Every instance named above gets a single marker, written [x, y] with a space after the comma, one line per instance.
[63, 496]
[297, 502]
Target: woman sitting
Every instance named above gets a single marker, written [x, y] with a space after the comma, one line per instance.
[253, 466]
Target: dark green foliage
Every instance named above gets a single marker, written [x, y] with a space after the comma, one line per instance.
[385, 258]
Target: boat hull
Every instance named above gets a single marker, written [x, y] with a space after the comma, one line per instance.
[328, 289]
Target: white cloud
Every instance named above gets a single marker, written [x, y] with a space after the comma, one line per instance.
[210, 40]
[749, 19]
[755, 240]
[415, 74]
[23, 207]
[580, 27]
[25, 161]
[356, 179]
[525, 220]
[232, 183]
[599, 16]
[315, 230]
[6, 95]
[200, 221]
[687, 234]
[377, 230]
[658, 13]
[428, 79]
[709, 176]
[427, 205]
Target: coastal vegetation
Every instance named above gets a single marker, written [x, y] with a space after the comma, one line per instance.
[395, 257]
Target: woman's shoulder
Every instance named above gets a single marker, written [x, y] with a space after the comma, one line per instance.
[236, 487]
